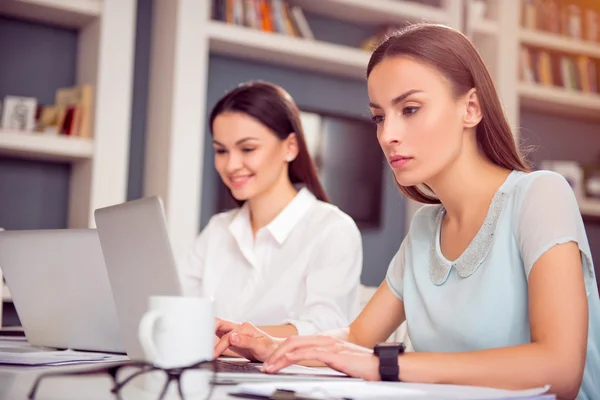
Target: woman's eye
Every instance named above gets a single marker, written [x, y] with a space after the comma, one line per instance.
[248, 150]
[410, 110]
[220, 151]
[377, 119]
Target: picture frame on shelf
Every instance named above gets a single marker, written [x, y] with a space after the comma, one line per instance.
[19, 113]
[591, 181]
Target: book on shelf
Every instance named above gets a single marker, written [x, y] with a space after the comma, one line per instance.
[266, 15]
[577, 19]
[548, 68]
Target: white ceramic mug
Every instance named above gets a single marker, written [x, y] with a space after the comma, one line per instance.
[177, 332]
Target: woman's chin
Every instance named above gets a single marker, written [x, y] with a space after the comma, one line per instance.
[240, 194]
[406, 180]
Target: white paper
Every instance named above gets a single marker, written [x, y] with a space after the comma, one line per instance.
[31, 356]
[302, 370]
[379, 390]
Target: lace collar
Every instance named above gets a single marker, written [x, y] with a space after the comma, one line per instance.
[474, 255]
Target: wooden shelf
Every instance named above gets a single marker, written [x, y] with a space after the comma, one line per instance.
[45, 147]
[66, 13]
[374, 11]
[559, 101]
[559, 43]
[485, 27]
[252, 44]
[589, 207]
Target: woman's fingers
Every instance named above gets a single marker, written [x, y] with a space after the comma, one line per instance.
[296, 343]
[223, 327]
[322, 355]
[222, 345]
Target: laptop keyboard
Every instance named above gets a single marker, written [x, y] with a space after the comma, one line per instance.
[227, 366]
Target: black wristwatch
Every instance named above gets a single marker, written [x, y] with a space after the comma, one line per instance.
[388, 360]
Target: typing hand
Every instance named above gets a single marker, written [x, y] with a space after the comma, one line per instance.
[340, 355]
[244, 339]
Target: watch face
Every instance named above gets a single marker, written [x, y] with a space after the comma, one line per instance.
[383, 346]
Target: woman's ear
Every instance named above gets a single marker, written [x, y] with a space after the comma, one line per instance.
[291, 147]
[472, 114]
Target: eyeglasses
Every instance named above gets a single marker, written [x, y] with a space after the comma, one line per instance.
[138, 371]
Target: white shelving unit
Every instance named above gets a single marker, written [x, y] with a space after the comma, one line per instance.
[6, 297]
[559, 101]
[559, 43]
[273, 48]
[500, 49]
[66, 13]
[378, 11]
[183, 38]
[590, 207]
[45, 147]
[106, 33]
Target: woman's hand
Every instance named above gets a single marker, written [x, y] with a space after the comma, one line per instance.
[340, 355]
[244, 339]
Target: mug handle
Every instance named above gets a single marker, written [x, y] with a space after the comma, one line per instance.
[146, 334]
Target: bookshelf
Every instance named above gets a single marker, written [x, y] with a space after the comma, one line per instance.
[484, 27]
[590, 207]
[559, 43]
[99, 164]
[183, 40]
[501, 48]
[65, 13]
[252, 44]
[376, 11]
[35, 146]
[559, 101]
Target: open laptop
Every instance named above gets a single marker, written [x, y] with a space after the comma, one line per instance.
[60, 289]
[140, 264]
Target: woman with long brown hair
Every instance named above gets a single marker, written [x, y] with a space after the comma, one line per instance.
[273, 259]
[495, 277]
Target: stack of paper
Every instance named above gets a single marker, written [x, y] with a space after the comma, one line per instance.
[380, 390]
[17, 356]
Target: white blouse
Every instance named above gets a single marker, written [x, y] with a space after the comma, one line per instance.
[303, 268]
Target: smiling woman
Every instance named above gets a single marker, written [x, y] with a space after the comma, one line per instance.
[271, 261]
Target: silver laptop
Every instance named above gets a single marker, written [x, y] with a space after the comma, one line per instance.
[60, 289]
[140, 264]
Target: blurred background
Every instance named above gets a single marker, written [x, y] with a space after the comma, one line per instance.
[104, 101]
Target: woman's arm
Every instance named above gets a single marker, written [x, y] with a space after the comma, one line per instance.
[382, 315]
[377, 321]
[280, 331]
[558, 314]
[556, 355]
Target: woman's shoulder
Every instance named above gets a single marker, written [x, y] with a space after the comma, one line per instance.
[423, 221]
[542, 187]
[534, 180]
[222, 220]
[329, 215]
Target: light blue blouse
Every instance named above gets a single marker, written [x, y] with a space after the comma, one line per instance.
[480, 300]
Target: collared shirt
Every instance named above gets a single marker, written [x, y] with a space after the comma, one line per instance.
[483, 303]
[303, 268]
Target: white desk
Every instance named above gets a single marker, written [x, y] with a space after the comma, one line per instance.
[16, 382]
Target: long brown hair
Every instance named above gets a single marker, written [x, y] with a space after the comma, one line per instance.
[273, 107]
[455, 57]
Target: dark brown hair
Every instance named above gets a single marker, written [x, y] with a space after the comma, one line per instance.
[455, 57]
[273, 107]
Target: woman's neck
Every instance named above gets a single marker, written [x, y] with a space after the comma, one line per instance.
[466, 188]
[266, 206]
